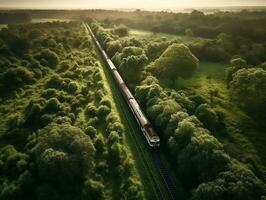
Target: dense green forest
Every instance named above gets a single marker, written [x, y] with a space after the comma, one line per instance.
[61, 136]
[200, 79]
[13, 18]
[212, 129]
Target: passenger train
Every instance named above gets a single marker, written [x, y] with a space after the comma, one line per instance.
[146, 128]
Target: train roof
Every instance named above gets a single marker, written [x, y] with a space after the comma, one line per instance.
[118, 77]
[152, 132]
[142, 118]
[111, 64]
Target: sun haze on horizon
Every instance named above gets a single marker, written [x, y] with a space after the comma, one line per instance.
[111, 4]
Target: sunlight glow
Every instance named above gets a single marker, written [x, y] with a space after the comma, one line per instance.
[145, 4]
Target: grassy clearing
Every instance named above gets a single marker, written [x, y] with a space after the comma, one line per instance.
[142, 34]
[3, 26]
[209, 76]
[43, 20]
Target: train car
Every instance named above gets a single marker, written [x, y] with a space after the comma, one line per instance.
[138, 112]
[117, 77]
[126, 93]
[149, 133]
[111, 64]
[146, 128]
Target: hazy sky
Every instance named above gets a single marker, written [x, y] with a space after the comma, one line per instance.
[127, 3]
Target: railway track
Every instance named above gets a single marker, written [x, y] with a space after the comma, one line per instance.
[153, 154]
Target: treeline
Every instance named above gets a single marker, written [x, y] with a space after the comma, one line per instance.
[185, 122]
[199, 24]
[62, 139]
[225, 47]
[227, 34]
[14, 18]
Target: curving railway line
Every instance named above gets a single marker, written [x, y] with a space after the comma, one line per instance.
[149, 133]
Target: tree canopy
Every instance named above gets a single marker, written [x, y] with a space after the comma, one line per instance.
[176, 61]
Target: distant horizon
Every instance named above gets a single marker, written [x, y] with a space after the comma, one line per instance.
[129, 4]
[134, 8]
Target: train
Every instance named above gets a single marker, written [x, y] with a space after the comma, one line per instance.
[148, 131]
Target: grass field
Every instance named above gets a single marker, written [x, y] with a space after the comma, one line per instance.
[209, 76]
[43, 20]
[3, 26]
[142, 34]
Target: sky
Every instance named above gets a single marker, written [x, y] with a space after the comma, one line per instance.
[142, 4]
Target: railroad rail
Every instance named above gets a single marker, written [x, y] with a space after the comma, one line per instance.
[154, 153]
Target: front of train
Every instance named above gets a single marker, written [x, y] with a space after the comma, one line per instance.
[153, 138]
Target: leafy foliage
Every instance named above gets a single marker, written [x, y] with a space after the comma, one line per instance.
[177, 60]
[248, 88]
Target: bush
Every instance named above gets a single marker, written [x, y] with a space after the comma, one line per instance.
[121, 31]
[103, 111]
[32, 114]
[155, 49]
[50, 58]
[99, 144]
[55, 82]
[106, 102]
[60, 146]
[15, 177]
[16, 77]
[91, 110]
[113, 47]
[238, 183]
[91, 131]
[93, 190]
[64, 66]
[18, 45]
[176, 61]
[207, 116]
[248, 90]
[72, 87]
[238, 62]
[52, 105]
[49, 93]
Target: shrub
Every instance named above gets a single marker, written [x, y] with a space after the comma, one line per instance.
[55, 82]
[91, 131]
[103, 111]
[207, 116]
[91, 110]
[99, 144]
[177, 60]
[63, 66]
[121, 31]
[248, 90]
[238, 62]
[16, 77]
[48, 56]
[52, 105]
[113, 47]
[155, 49]
[72, 87]
[93, 190]
[60, 146]
[46, 119]
[32, 114]
[106, 102]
